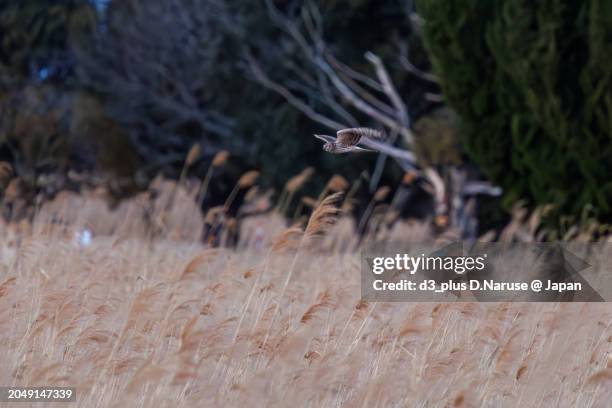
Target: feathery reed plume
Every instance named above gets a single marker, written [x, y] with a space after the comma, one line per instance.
[409, 177]
[229, 230]
[604, 375]
[289, 239]
[251, 194]
[441, 221]
[212, 215]
[309, 201]
[193, 155]
[324, 301]
[245, 181]
[248, 179]
[218, 160]
[197, 261]
[335, 184]
[4, 286]
[292, 186]
[146, 373]
[382, 193]
[256, 203]
[188, 336]
[296, 182]
[323, 217]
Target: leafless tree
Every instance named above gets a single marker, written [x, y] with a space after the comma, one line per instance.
[153, 63]
[344, 92]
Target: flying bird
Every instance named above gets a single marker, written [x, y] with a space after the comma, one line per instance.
[348, 139]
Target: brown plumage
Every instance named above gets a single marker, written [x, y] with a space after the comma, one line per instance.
[348, 139]
[352, 136]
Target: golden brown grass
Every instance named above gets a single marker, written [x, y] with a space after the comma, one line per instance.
[277, 322]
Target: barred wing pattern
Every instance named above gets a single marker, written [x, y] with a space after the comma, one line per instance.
[353, 136]
[372, 139]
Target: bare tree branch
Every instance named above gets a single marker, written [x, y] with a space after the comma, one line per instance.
[289, 97]
[407, 65]
[156, 75]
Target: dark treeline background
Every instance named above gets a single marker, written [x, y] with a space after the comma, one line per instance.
[128, 87]
[124, 89]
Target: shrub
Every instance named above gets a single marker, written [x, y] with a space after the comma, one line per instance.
[531, 82]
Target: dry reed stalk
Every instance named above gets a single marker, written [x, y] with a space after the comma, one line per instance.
[6, 171]
[463, 344]
[192, 155]
[336, 183]
[195, 262]
[309, 202]
[323, 302]
[213, 214]
[347, 205]
[292, 186]
[287, 240]
[146, 373]
[189, 337]
[379, 196]
[298, 181]
[441, 221]
[218, 160]
[245, 181]
[322, 217]
[252, 194]
[298, 210]
[230, 227]
[280, 201]
[248, 179]
[379, 215]
[382, 193]
[4, 286]
[409, 177]
[306, 201]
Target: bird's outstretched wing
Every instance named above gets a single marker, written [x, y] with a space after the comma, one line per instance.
[339, 149]
[326, 138]
[353, 136]
[361, 149]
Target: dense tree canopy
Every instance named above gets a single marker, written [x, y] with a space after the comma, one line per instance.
[532, 82]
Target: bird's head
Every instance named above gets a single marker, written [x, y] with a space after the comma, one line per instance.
[328, 147]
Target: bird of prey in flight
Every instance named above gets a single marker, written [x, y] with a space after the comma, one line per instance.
[374, 141]
[348, 139]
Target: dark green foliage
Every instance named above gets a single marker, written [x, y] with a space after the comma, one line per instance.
[532, 83]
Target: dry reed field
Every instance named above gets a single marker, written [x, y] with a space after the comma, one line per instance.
[277, 321]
